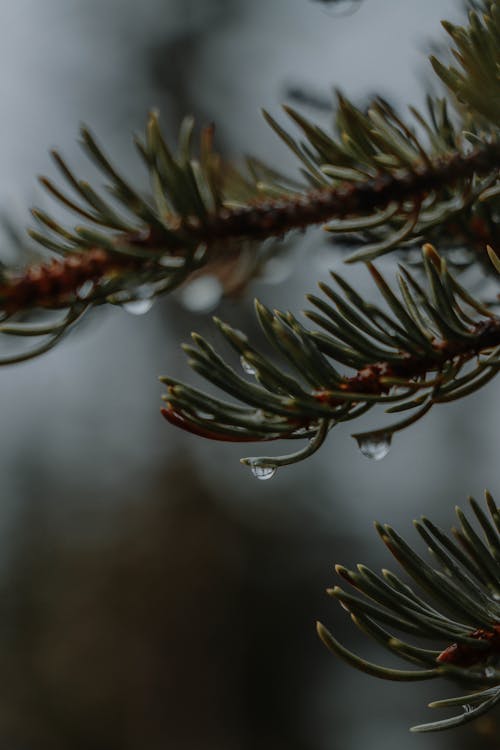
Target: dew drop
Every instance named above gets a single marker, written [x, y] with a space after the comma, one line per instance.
[85, 290]
[263, 471]
[375, 445]
[143, 300]
[202, 295]
[246, 366]
[138, 306]
[340, 7]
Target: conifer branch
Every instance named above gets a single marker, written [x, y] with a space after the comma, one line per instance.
[436, 345]
[266, 218]
[456, 606]
[159, 251]
[378, 178]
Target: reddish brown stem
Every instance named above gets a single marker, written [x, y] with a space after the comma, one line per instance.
[370, 380]
[463, 655]
[275, 217]
[50, 285]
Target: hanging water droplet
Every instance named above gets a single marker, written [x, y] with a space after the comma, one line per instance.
[143, 300]
[263, 471]
[85, 290]
[246, 366]
[202, 295]
[138, 306]
[340, 7]
[375, 445]
[489, 671]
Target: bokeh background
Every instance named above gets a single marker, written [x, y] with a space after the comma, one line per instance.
[152, 593]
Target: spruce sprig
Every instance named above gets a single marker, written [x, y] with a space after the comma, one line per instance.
[424, 346]
[385, 180]
[456, 606]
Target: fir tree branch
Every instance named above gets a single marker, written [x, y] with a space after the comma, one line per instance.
[356, 199]
[437, 345]
[54, 284]
[377, 178]
[268, 218]
[360, 205]
[459, 607]
[158, 251]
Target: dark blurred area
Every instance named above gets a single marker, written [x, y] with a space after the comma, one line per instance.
[179, 626]
[153, 594]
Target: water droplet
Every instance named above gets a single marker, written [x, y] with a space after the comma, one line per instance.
[466, 708]
[263, 471]
[85, 290]
[138, 306]
[496, 596]
[142, 302]
[246, 366]
[489, 671]
[202, 294]
[375, 445]
[340, 7]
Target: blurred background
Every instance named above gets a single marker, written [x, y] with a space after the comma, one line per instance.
[153, 594]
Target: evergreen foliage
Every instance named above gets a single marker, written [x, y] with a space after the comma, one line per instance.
[465, 586]
[385, 182]
[436, 345]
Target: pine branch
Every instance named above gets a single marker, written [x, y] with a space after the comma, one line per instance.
[189, 223]
[435, 346]
[357, 199]
[55, 284]
[377, 178]
[268, 218]
[159, 254]
[457, 605]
